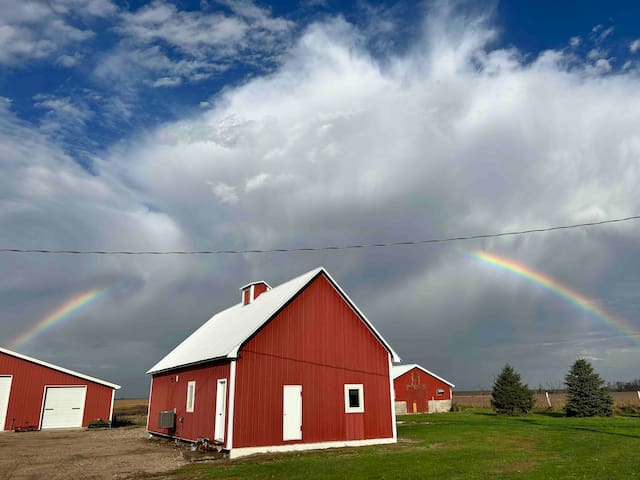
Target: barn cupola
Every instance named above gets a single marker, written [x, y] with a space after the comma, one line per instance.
[252, 291]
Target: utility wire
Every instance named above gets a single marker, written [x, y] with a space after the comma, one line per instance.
[317, 249]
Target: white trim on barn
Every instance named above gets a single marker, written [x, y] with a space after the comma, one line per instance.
[5, 394]
[392, 392]
[298, 447]
[231, 405]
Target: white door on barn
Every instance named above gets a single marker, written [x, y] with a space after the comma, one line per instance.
[63, 407]
[221, 410]
[5, 388]
[292, 412]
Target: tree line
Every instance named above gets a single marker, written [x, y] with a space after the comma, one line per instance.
[587, 395]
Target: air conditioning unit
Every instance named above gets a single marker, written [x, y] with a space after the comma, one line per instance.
[167, 419]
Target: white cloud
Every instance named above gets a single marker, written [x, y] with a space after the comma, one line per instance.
[68, 60]
[575, 41]
[33, 30]
[167, 82]
[206, 42]
[256, 182]
[225, 193]
[634, 46]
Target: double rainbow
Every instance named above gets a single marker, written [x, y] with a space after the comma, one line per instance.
[562, 291]
[61, 313]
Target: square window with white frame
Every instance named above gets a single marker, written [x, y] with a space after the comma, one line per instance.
[191, 396]
[353, 398]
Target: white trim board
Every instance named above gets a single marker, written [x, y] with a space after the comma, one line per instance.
[298, 447]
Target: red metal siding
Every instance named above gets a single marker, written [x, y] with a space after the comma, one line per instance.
[417, 387]
[27, 393]
[246, 296]
[258, 289]
[318, 342]
[167, 394]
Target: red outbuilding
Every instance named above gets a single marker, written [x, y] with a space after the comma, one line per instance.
[36, 395]
[293, 367]
[420, 391]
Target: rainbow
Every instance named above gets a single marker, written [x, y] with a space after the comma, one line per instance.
[64, 311]
[563, 291]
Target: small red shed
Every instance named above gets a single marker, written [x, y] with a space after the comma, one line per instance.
[38, 395]
[420, 391]
[293, 367]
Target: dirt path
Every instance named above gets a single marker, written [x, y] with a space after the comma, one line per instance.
[120, 453]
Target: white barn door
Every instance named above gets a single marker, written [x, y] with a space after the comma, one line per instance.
[292, 412]
[5, 388]
[221, 410]
[63, 407]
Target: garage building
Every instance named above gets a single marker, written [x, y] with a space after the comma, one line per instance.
[36, 395]
[420, 391]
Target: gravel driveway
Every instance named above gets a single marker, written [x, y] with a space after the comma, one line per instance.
[119, 453]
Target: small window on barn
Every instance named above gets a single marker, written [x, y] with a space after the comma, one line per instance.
[353, 398]
[440, 391]
[191, 396]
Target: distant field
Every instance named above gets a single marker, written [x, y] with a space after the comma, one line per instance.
[130, 411]
[474, 443]
[483, 399]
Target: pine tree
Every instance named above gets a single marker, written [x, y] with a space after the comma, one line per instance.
[509, 395]
[586, 393]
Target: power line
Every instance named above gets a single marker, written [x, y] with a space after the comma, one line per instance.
[317, 249]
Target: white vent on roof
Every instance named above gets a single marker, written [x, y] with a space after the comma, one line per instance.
[253, 290]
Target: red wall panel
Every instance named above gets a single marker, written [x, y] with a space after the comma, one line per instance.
[418, 387]
[169, 393]
[319, 342]
[27, 392]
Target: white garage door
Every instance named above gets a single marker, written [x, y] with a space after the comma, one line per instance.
[63, 407]
[5, 388]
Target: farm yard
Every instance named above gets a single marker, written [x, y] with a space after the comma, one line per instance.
[473, 443]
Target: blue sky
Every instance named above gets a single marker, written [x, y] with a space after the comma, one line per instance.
[238, 124]
[83, 73]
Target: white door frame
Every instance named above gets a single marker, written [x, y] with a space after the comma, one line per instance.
[221, 410]
[4, 406]
[291, 412]
[44, 401]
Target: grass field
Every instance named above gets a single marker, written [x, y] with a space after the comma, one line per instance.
[473, 444]
[130, 412]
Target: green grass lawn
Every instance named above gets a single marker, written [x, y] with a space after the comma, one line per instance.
[464, 445]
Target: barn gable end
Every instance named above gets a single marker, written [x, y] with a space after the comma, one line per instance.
[417, 390]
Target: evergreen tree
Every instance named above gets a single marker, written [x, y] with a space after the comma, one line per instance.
[509, 395]
[586, 394]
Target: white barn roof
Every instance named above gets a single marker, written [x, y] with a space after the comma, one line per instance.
[399, 370]
[59, 369]
[224, 334]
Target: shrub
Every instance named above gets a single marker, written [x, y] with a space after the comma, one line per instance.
[509, 395]
[586, 394]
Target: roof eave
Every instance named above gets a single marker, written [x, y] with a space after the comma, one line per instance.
[153, 371]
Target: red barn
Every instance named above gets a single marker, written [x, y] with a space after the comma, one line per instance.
[293, 367]
[37, 395]
[420, 391]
